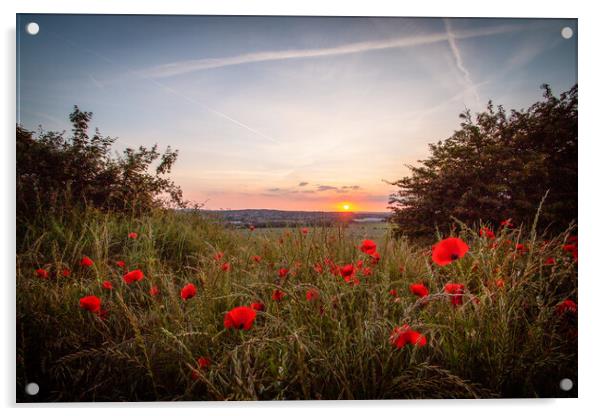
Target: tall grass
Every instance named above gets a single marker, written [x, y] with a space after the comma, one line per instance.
[502, 342]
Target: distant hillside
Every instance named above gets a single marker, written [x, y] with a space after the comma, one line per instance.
[277, 218]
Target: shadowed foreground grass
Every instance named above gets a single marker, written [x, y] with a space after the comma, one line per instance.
[507, 339]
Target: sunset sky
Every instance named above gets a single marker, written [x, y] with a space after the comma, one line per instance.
[285, 112]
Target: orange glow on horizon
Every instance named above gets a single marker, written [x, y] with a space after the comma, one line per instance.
[345, 206]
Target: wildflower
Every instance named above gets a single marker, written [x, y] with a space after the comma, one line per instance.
[375, 258]
[133, 276]
[86, 261]
[312, 294]
[486, 232]
[256, 259]
[393, 292]
[359, 264]
[367, 271]
[107, 285]
[226, 267]
[154, 291]
[521, 248]
[347, 271]
[500, 283]
[218, 256]
[565, 306]
[368, 247]
[456, 290]
[569, 248]
[278, 295]
[133, 236]
[90, 303]
[507, 223]
[42, 273]
[448, 250]
[66, 272]
[241, 317]
[188, 291]
[120, 264]
[304, 231]
[400, 336]
[318, 268]
[550, 261]
[419, 290]
[258, 305]
[282, 273]
[572, 239]
[204, 363]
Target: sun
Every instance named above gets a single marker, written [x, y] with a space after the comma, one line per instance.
[346, 207]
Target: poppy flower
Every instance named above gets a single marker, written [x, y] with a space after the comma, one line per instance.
[312, 294]
[226, 267]
[120, 264]
[569, 248]
[133, 276]
[258, 305]
[486, 232]
[107, 285]
[419, 289]
[566, 305]
[133, 236]
[347, 271]
[400, 336]
[375, 258]
[500, 283]
[241, 317]
[278, 295]
[550, 261]
[572, 239]
[368, 247]
[154, 291]
[282, 273]
[507, 223]
[42, 273]
[359, 264]
[86, 261]
[256, 259]
[456, 290]
[393, 292]
[367, 271]
[66, 272]
[318, 268]
[188, 291]
[203, 363]
[90, 303]
[218, 256]
[448, 250]
[304, 230]
[521, 248]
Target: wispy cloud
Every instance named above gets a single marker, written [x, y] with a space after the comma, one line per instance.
[192, 65]
[451, 39]
[303, 183]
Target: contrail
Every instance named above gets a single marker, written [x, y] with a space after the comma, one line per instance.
[187, 66]
[169, 89]
[451, 39]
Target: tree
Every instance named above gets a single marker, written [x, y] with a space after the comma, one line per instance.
[496, 166]
[55, 173]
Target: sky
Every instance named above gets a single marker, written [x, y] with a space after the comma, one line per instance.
[293, 113]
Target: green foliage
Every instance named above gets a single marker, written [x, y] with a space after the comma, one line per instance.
[510, 343]
[56, 173]
[497, 166]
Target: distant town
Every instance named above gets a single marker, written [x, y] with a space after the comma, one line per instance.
[264, 218]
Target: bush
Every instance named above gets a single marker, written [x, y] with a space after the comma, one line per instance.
[57, 173]
[497, 166]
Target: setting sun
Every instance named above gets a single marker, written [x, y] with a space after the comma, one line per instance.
[346, 207]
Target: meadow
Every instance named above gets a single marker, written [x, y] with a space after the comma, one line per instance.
[106, 311]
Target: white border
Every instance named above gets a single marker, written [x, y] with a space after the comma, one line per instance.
[589, 191]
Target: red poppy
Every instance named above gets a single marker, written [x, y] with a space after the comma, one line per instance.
[188, 291]
[278, 295]
[312, 294]
[400, 336]
[133, 276]
[359, 264]
[318, 268]
[393, 292]
[375, 258]
[569, 248]
[256, 259]
[226, 267]
[304, 230]
[120, 264]
[368, 247]
[456, 290]
[90, 303]
[203, 363]
[86, 261]
[42, 273]
[154, 291]
[572, 239]
[66, 272]
[419, 290]
[133, 236]
[107, 285]
[521, 248]
[367, 271]
[282, 273]
[486, 232]
[507, 223]
[550, 261]
[566, 305]
[500, 283]
[347, 271]
[241, 317]
[218, 256]
[448, 250]
[258, 305]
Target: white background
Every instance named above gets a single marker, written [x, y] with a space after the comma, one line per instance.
[590, 178]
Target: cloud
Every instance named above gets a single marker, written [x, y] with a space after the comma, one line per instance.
[353, 187]
[303, 183]
[451, 39]
[192, 65]
[274, 190]
[323, 188]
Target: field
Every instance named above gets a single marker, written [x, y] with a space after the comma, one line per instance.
[325, 312]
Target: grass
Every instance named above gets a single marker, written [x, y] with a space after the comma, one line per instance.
[502, 342]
